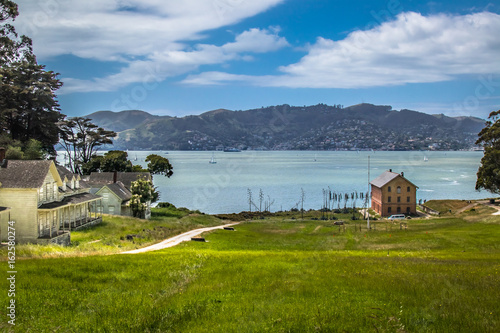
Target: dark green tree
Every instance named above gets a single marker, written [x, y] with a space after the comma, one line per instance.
[94, 165]
[116, 160]
[28, 105]
[113, 160]
[159, 165]
[488, 175]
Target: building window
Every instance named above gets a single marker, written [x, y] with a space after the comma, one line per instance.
[407, 199]
[399, 210]
[388, 199]
[41, 194]
[398, 189]
[399, 199]
[389, 210]
[407, 210]
[408, 189]
[389, 189]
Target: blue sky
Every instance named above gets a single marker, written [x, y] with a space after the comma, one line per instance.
[171, 57]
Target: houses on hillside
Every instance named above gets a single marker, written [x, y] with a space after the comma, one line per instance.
[44, 204]
[47, 201]
[392, 193]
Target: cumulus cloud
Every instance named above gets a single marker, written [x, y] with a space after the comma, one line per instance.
[103, 29]
[140, 33]
[162, 64]
[411, 49]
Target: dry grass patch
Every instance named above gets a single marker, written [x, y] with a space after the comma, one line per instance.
[444, 206]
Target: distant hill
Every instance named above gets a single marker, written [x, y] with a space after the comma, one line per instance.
[121, 121]
[285, 127]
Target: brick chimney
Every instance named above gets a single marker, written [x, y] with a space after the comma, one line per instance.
[115, 176]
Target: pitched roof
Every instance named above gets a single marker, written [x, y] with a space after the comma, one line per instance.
[24, 174]
[98, 179]
[384, 178]
[64, 172]
[387, 177]
[120, 190]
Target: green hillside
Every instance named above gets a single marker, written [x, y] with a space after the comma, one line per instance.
[285, 127]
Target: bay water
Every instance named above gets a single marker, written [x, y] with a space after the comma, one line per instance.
[281, 176]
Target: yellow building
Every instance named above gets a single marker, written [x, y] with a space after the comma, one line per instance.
[45, 205]
[392, 194]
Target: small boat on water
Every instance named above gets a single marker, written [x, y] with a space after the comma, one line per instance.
[426, 159]
[212, 161]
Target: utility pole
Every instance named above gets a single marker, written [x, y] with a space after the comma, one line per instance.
[368, 197]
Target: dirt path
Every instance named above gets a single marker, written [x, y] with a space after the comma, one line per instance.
[487, 203]
[482, 202]
[173, 241]
[470, 206]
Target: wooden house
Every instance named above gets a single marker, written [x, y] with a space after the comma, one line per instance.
[45, 204]
[392, 194]
[116, 197]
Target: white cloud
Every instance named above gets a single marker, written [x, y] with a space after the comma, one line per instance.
[411, 49]
[162, 64]
[258, 41]
[110, 29]
[155, 31]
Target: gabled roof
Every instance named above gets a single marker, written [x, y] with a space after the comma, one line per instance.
[386, 178]
[24, 174]
[120, 190]
[65, 172]
[98, 179]
[67, 176]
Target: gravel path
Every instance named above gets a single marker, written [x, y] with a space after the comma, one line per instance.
[169, 242]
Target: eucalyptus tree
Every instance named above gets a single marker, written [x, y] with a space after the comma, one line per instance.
[81, 140]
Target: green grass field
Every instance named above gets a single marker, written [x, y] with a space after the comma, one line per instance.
[110, 236]
[279, 274]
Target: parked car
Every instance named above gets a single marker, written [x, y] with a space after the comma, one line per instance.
[397, 217]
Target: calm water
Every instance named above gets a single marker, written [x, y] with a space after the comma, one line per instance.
[222, 187]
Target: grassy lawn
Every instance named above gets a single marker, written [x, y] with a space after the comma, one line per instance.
[278, 274]
[111, 235]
